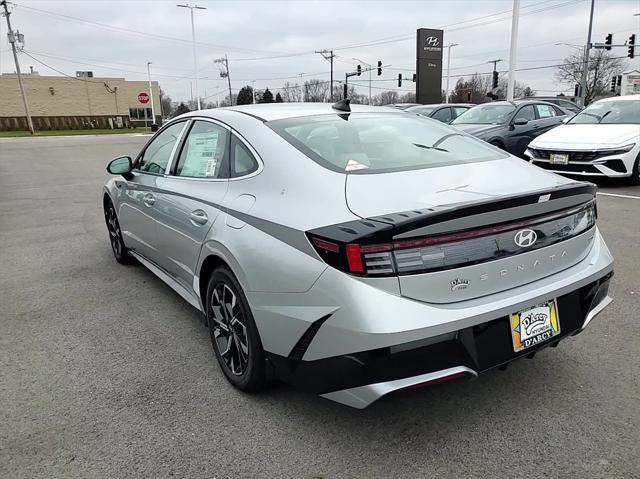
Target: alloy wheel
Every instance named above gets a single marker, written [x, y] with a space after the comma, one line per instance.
[229, 329]
[114, 231]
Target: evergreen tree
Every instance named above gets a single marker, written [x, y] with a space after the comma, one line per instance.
[245, 96]
[267, 96]
[279, 98]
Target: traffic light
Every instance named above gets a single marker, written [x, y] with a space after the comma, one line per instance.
[495, 79]
[359, 70]
[344, 91]
[614, 81]
[379, 67]
[576, 91]
[414, 78]
[608, 40]
[399, 79]
[631, 44]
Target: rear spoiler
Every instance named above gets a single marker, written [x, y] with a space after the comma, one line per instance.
[460, 216]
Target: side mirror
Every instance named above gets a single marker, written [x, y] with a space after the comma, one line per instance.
[520, 122]
[121, 166]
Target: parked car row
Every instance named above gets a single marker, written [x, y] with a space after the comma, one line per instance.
[602, 140]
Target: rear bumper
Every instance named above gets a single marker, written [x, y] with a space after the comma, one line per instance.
[359, 379]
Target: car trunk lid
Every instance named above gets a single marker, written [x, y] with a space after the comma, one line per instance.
[448, 233]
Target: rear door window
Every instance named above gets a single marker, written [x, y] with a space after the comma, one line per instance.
[205, 152]
[545, 111]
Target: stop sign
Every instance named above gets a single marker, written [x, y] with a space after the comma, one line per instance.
[143, 97]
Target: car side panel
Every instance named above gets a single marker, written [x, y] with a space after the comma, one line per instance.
[187, 211]
[136, 215]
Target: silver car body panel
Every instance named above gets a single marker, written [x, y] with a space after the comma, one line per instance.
[256, 225]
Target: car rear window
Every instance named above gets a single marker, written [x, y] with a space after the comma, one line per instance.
[375, 143]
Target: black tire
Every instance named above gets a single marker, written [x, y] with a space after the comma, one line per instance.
[120, 251]
[233, 332]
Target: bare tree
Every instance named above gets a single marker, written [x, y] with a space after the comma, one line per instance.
[290, 92]
[473, 90]
[316, 90]
[520, 90]
[409, 97]
[602, 66]
[386, 98]
[165, 104]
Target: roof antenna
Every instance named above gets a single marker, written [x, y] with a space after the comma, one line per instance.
[342, 105]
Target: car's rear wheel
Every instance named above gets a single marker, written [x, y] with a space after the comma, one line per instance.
[120, 251]
[233, 332]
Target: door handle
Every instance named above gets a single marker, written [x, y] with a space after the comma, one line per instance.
[198, 217]
[148, 199]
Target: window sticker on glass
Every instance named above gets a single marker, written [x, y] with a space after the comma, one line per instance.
[201, 157]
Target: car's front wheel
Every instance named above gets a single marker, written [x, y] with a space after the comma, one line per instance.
[120, 251]
[233, 332]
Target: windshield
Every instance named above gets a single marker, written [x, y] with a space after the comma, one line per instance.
[421, 110]
[610, 112]
[485, 115]
[383, 142]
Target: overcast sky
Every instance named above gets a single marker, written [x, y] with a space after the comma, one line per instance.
[61, 35]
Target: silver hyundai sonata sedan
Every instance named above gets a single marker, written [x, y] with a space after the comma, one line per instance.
[355, 251]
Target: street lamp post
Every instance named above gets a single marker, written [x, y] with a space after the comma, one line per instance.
[193, 38]
[153, 109]
[449, 68]
[369, 67]
[585, 63]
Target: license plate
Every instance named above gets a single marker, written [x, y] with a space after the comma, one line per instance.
[534, 325]
[559, 159]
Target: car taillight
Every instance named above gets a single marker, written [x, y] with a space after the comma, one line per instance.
[451, 250]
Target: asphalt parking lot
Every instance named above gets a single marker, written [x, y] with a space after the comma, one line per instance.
[106, 372]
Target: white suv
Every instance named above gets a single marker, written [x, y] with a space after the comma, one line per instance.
[601, 140]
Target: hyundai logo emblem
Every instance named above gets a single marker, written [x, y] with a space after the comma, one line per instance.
[525, 238]
[433, 41]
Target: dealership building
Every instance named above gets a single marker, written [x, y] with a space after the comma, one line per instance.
[84, 101]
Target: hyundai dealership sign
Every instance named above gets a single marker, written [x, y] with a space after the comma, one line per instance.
[429, 66]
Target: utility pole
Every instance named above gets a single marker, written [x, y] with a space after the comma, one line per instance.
[153, 110]
[513, 49]
[13, 37]
[329, 56]
[449, 68]
[253, 90]
[193, 39]
[301, 86]
[225, 74]
[585, 65]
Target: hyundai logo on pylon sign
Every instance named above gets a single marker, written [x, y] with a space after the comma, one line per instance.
[432, 41]
[525, 238]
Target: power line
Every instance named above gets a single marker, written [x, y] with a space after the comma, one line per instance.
[137, 32]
